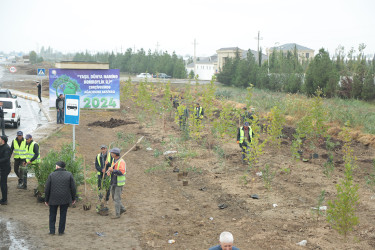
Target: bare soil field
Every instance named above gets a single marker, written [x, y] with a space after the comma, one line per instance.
[215, 199]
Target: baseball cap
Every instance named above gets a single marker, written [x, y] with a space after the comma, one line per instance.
[103, 146]
[28, 136]
[61, 164]
[19, 133]
[115, 150]
[246, 124]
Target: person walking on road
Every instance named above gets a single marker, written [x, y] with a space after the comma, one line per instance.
[226, 242]
[18, 149]
[60, 104]
[39, 86]
[5, 155]
[32, 158]
[60, 191]
[117, 172]
[244, 137]
[102, 162]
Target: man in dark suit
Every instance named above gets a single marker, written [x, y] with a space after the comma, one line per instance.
[4, 168]
[39, 87]
[60, 191]
[2, 123]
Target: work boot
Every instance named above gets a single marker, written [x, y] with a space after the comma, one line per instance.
[122, 211]
[2, 202]
[116, 217]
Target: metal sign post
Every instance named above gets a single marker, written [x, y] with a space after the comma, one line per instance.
[41, 72]
[71, 115]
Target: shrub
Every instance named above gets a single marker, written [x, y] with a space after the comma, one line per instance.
[48, 165]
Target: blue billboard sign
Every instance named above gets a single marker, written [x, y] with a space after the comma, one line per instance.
[97, 88]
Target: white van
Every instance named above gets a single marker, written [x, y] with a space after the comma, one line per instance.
[11, 111]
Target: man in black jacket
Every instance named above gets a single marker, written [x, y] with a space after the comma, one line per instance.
[2, 122]
[39, 86]
[4, 168]
[60, 104]
[60, 191]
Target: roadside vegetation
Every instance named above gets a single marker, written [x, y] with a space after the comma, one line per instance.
[348, 75]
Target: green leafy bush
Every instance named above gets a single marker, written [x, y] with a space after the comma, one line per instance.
[48, 165]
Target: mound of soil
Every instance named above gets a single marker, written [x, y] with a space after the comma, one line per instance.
[112, 123]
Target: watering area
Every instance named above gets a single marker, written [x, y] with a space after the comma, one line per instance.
[10, 237]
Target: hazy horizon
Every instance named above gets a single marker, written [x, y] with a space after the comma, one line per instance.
[76, 26]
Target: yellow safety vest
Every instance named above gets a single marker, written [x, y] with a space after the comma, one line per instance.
[199, 114]
[19, 152]
[30, 153]
[99, 161]
[242, 134]
[120, 178]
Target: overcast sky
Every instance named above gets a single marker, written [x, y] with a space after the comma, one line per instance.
[106, 25]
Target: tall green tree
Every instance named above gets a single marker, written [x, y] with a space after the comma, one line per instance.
[33, 57]
[368, 90]
[321, 73]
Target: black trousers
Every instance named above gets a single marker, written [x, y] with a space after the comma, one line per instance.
[17, 163]
[4, 183]
[40, 96]
[52, 217]
[2, 124]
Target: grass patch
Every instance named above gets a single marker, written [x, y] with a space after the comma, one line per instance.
[361, 114]
[157, 168]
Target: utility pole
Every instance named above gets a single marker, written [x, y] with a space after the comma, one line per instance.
[259, 38]
[195, 56]
[157, 47]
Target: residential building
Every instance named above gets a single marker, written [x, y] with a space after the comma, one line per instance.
[304, 53]
[205, 68]
[224, 54]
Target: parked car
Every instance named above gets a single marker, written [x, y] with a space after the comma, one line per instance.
[162, 75]
[5, 93]
[144, 75]
[12, 111]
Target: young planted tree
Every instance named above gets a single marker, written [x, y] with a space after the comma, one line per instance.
[303, 130]
[144, 98]
[256, 145]
[226, 123]
[341, 213]
[127, 92]
[208, 97]
[276, 123]
[319, 118]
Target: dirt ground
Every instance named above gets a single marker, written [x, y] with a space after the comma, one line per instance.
[160, 208]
